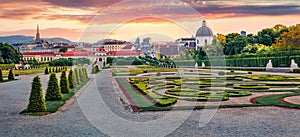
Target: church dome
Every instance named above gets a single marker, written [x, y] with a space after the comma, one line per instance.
[204, 30]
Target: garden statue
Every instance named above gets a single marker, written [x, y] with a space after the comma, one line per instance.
[294, 65]
[269, 65]
[203, 65]
[196, 65]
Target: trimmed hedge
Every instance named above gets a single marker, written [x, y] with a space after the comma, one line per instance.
[250, 87]
[11, 75]
[64, 84]
[36, 100]
[1, 75]
[53, 89]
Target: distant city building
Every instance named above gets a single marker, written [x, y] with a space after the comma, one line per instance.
[186, 42]
[204, 35]
[147, 41]
[137, 41]
[243, 33]
[113, 45]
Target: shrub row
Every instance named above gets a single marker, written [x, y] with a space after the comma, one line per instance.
[55, 90]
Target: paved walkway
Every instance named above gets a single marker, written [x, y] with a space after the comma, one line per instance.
[74, 119]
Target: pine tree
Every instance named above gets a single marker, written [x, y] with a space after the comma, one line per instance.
[56, 70]
[71, 79]
[1, 75]
[49, 70]
[64, 84]
[46, 71]
[11, 75]
[53, 69]
[53, 90]
[36, 100]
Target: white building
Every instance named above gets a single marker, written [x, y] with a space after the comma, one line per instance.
[204, 35]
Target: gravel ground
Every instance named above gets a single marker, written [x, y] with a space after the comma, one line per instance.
[74, 119]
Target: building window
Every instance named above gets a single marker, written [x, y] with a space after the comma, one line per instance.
[205, 41]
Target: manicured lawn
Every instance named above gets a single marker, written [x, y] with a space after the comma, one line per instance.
[144, 94]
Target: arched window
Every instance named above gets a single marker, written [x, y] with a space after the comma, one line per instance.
[205, 41]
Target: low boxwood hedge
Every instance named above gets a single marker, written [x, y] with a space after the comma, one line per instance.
[250, 87]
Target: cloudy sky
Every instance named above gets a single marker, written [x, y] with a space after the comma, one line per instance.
[92, 20]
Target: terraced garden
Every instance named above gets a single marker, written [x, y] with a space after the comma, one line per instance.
[165, 92]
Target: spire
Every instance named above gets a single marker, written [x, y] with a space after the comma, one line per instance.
[37, 37]
[37, 30]
[204, 23]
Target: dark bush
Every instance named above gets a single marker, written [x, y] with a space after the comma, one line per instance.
[46, 71]
[249, 72]
[1, 75]
[221, 73]
[11, 75]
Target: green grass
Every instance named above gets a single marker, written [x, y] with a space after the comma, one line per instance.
[275, 100]
[53, 106]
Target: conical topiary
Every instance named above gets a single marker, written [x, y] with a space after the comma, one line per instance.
[1, 75]
[71, 79]
[11, 75]
[36, 100]
[46, 71]
[64, 84]
[53, 90]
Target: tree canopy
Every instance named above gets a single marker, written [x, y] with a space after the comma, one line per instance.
[8, 54]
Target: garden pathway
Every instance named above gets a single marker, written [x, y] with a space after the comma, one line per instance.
[71, 121]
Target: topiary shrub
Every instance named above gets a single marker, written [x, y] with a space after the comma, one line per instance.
[46, 71]
[249, 72]
[53, 90]
[64, 84]
[95, 69]
[221, 73]
[232, 71]
[71, 79]
[36, 100]
[1, 75]
[11, 75]
[158, 74]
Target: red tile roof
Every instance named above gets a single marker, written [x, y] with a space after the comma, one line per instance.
[38, 53]
[122, 53]
[100, 49]
[76, 53]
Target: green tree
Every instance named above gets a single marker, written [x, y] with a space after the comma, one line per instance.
[36, 100]
[64, 84]
[71, 79]
[63, 49]
[1, 75]
[234, 43]
[11, 75]
[8, 54]
[46, 71]
[53, 90]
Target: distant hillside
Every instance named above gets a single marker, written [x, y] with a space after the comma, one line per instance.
[16, 39]
[56, 40]
[28, 39]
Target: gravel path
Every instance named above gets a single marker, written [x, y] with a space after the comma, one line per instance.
[72, 121]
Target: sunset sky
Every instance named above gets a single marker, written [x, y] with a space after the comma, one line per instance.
[164, 20]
